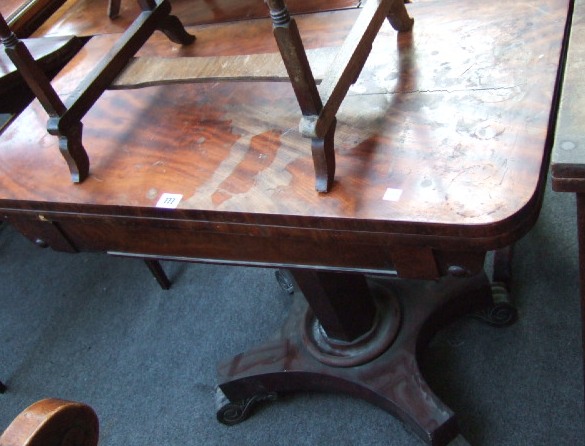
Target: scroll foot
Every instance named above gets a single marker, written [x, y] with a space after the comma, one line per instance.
[285, 280]
[324, 159]
[399, 18]
[501, 313]
[231, 413]
[172, 27]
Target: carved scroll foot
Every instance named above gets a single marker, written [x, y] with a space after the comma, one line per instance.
[324, 159]
[172, 27]
[71, 147]
[501, 312]
[399, 18]
[285, 280]
[231, 413]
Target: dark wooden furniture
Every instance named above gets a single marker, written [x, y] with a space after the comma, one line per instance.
[568, 159]
[53, 422]
[114, 8]
[442, 153]
[23, 17]
[49, 54]
[65, 115]
[319, 106]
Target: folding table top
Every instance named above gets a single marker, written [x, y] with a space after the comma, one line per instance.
[446, 132]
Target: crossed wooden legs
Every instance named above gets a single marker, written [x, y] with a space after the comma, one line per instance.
[319, 106]
[65, 116]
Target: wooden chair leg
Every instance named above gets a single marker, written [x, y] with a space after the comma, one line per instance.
[65, 120]
[53, 422]
[399, 18]
[297, 65]
[323, 151]
[114, 8]
[72, 150]
[159, 273]
[172, 27]
[319, 106]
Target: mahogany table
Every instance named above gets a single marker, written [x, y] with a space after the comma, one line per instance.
[442, 151]
[568, 159]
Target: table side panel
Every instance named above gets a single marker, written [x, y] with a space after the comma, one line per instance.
[188, 240]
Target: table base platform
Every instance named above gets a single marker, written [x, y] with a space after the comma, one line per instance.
[385, 371]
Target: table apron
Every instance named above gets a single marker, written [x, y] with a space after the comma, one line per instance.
[196, 241]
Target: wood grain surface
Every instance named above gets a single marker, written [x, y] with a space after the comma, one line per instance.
[444, 137]
[89, 17]
[268, 67]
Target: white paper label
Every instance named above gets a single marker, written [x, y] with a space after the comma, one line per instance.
[392, 194]
[169, 201]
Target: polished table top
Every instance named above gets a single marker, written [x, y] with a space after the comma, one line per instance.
[442, 142]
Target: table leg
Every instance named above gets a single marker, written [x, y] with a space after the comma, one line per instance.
[501, 312]
[380, 326]
[158, 272]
